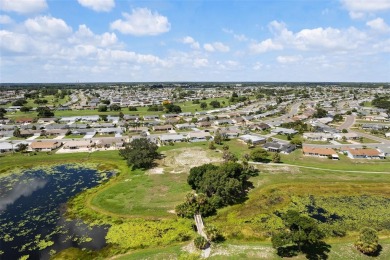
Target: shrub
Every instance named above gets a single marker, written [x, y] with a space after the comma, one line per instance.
[200, 242]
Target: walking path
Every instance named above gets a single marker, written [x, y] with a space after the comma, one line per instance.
[199, 226]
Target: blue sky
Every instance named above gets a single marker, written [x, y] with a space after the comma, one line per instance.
[190, 40]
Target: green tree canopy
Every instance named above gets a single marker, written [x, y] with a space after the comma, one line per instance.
[215, 104]
[115, 107]
[227, 184]
[320, 113]
[367, 242]
[259, 155]
[102, 108]
[140, 153]
[44, 112]
[300, 230]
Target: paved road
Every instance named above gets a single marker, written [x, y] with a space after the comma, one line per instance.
[293, 111]
[349, 121]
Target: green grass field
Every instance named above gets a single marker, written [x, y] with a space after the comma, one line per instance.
[187, 106]
[135, 194]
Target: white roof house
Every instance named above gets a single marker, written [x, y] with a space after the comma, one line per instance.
[253, 138]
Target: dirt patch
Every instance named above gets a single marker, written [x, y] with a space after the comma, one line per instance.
[182, 160]
[156, 170]
[257, 252]
[190, 248]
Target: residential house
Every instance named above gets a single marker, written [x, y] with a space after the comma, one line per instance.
[346, 136]
[254, 139]
[108, 142]
[279, 147]
[360, 153]
[162, 128]
[320, 152]
[259, 127]
[318, 136]
[24, 120]
[7, 147]
[29, 133]
[170, 116]
[78, 144]
[223, 122]
[284, 131]
[199, 136]
[151, 117]
[47, 120]
[45, 146]
[171, 138]
[184, 126]
[204, 124]
[57, 132]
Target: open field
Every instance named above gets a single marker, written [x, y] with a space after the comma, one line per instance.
[187, 106]
[153, 194]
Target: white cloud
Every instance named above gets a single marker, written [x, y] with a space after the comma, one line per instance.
[311, 39]
[357, 15]
[46, 25]
[216, 46]
[258, 66]
[200, 62]
[5, 19]
[189, 40]
[265, 46]
[98, 5]
[366, 5]
[23, 6]
[85, 35]
[379, 25]
[208, 47]
[288, 59]
[239, 37]
[14, 42]
[142, 22]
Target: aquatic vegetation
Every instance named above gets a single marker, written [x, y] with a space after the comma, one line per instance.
[31, 211]
[142, 233]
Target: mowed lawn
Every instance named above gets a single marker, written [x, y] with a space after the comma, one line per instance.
[345, 163]
[141, 195]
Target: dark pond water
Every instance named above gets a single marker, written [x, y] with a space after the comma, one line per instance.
[32, 207]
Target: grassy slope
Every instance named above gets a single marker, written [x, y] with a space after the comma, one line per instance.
[338, 251]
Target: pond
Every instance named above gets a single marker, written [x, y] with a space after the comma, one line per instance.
[32, 204]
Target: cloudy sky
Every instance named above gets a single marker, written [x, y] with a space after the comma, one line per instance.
[193, 40]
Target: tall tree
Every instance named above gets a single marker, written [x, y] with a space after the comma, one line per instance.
[300, 230]
[140, 153]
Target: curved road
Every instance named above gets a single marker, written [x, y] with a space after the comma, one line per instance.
[349, 121]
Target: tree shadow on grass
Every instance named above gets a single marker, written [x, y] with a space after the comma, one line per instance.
[288, 251]
[317, 251]
[376, 253]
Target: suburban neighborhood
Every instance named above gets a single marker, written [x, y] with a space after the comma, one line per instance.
[324, 124]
